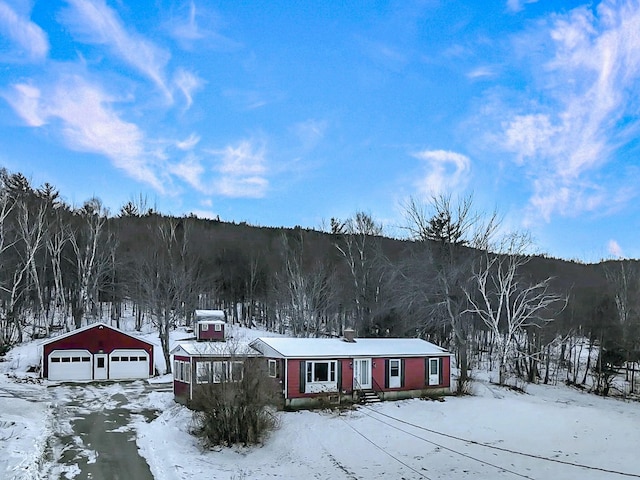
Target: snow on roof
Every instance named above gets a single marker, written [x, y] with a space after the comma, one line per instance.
[338, 348]
[210, 313]
[89, 327]
[211, 322]
[194, 348]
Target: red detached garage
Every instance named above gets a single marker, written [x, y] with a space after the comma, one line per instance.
[96, 352]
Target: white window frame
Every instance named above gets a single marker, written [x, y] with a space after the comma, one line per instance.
[204, 327]
[182, 371]
[332, 369]
[273, 368]
[203, 372]
[217, 327]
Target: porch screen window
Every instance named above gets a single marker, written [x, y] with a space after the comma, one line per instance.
[235, 371]
[321, 371]
[218, 371]
[182, 371]
[203, 372]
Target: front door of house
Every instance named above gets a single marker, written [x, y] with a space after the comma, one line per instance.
[395, 375]
[362, 373]
[100, 366]
[434, 371]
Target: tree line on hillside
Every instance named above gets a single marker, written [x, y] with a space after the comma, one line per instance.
[454, 281]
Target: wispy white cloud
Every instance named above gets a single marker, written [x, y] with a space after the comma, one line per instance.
[187, 83]
[242, 168]
[446, 171]
[310, 132]
[518, 5]
[591, 82]
[191, 171]
[189, 142]
[95, 22]
[481, 72]
[29, 37]
[614, 249]
[87, 121]
[186, 27]
[25, 100]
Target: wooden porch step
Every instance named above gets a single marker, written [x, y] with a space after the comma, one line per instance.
[369, 396]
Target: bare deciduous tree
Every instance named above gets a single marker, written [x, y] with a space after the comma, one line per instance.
[357, 241]
[506, 303]
[452, 235]
[167, 277]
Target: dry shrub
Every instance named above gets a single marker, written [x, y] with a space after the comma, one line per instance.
[241, 412]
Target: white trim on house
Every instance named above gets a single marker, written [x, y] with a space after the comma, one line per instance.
[321, 376]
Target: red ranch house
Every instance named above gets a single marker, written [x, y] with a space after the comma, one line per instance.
[316, 370]
[96, 352]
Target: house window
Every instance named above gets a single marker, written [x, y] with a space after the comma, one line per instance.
[217, 327]
[235, 371]
[187, 371]
[321, 371]
[218, 371]
[273, 368]
[182, 371]
[204, 327]
[203, 372]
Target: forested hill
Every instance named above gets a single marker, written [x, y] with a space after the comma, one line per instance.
[63, 267]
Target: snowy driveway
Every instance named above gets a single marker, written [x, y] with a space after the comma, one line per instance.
[92, 433]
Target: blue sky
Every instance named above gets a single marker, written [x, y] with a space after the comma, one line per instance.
[290, 113]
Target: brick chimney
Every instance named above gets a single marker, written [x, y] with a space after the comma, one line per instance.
[349, 335]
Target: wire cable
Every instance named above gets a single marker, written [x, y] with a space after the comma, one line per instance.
[383, 450]
[470, 457]
[507, 450]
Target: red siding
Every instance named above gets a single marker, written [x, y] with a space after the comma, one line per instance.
[210, 333]
[347, 375]
[293, 379]
[378, 369]
[414, 375]
[181, 389]
[446, 371]
[99, 339]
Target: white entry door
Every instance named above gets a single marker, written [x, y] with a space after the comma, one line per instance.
[362, 373]
[395, 374]
[434, 371]
[100, 366]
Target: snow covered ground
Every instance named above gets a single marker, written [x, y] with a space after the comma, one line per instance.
[398, 440]
[392, 440]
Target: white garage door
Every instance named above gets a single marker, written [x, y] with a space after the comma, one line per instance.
[70, 365]
[128, 363]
